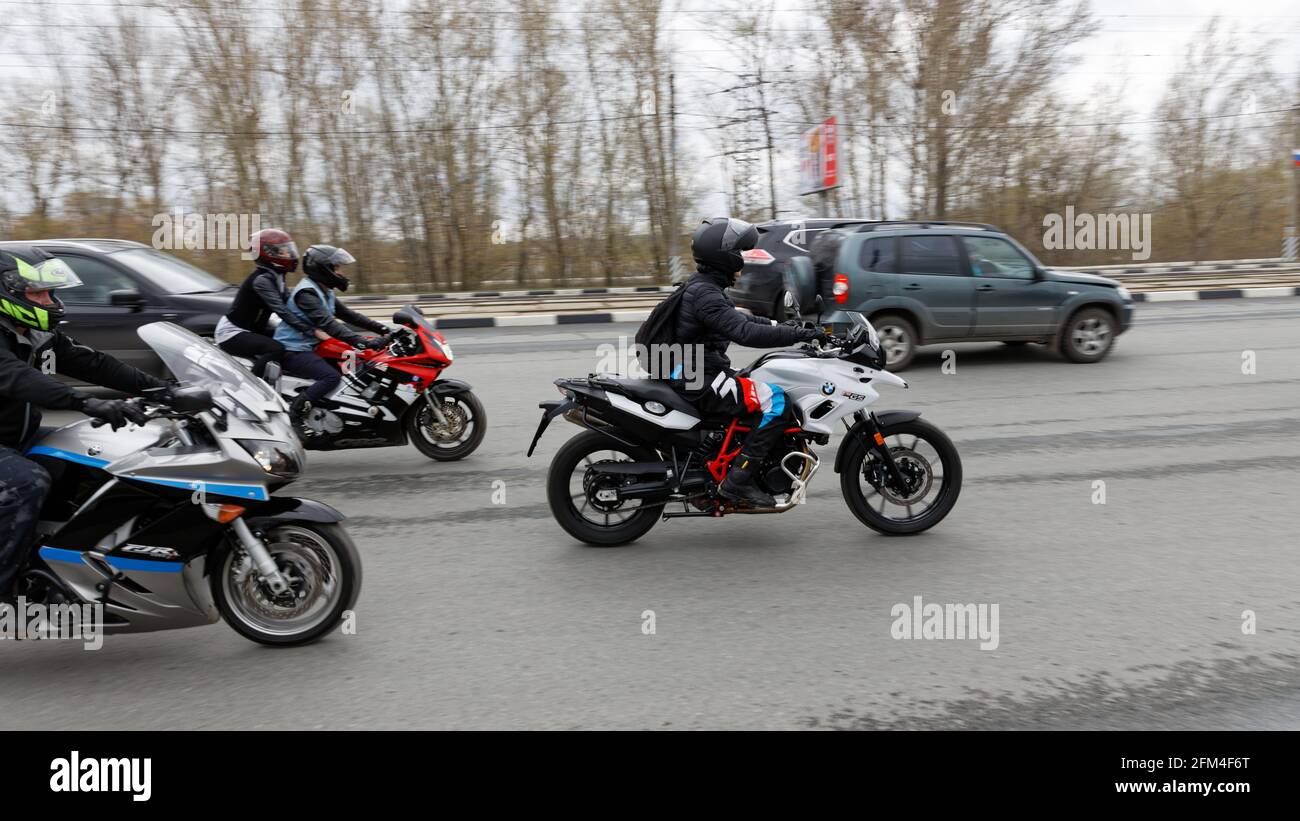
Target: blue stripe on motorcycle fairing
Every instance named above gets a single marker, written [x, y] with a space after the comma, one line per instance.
[58, 554]
[256, 492]
[144, 564]
[778, 404]
[241, 491]
[57, 453]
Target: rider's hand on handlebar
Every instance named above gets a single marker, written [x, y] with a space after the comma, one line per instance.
[817, 334]
[116, 412]
[375, 343]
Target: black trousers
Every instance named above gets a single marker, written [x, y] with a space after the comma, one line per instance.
[23, 485]
[261, 349]
[760, 406]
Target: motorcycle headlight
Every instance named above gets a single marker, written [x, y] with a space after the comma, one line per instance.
[274, 457]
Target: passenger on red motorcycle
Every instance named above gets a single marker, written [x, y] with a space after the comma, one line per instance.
[245, 330]
[313, 300]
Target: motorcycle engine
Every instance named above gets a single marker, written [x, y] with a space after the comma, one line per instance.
[321, 422]
[774, 480]
[771, 478]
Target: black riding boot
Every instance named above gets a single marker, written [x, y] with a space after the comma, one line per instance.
[739, 485]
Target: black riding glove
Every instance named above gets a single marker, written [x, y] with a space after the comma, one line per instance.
[810, 334]
[116, 412]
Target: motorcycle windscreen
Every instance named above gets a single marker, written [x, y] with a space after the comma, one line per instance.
[862, 322]
[194, 361]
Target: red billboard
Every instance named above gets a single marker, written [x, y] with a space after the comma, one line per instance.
[819, 167]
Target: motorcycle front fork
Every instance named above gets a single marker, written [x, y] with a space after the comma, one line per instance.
[260, 556]
[876, 443]
[434, 408]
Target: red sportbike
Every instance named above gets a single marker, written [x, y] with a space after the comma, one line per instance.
[394, 394]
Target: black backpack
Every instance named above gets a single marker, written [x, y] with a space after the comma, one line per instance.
[660, 328]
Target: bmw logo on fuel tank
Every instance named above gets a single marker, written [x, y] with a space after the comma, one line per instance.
[828, 388]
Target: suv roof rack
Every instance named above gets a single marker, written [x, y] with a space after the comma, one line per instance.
[874, 224]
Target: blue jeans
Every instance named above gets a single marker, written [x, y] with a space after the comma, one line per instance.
[307, 365]
[23, 485]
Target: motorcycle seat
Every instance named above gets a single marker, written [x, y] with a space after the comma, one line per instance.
[651, 390]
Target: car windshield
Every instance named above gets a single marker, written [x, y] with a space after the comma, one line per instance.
[197, 362]
[170, 274]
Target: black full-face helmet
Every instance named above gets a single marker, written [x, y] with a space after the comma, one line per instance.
[29, 271]
[324, 263]
[719, 242]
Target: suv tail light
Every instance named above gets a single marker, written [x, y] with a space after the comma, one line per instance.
[757, 256]
[840, 290]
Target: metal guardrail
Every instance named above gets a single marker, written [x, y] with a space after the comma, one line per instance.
[1128, 274]
[574, 301]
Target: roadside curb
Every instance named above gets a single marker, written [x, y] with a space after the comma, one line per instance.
[600, 317]
[1215, 293]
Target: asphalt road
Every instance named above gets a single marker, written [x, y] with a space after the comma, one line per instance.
[483, 615]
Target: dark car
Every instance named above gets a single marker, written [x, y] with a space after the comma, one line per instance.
[760, 283]
[126, 285]
[927, 282]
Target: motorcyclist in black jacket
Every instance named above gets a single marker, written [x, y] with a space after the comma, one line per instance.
[31, 349]
[245, 330]
[709, 318]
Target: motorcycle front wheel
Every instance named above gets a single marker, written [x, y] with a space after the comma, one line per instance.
[460, 436]
[929, 463]
[323, 568]
[573, 485]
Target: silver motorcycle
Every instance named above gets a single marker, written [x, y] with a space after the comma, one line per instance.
[173, 523]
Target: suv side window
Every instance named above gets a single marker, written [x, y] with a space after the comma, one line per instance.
[995, 257]
[934, 255]
[98, 280]
[878, 255]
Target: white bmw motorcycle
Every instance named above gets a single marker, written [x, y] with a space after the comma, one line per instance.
[647, 449]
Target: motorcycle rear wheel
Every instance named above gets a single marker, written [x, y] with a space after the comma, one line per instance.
[582, 517]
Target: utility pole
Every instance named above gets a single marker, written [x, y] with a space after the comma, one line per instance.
[674, 218]
[1291, 236]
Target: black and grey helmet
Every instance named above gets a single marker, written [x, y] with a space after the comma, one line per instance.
[719, 242]
[323, 263]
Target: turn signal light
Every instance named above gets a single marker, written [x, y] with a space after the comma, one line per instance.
[223, 513]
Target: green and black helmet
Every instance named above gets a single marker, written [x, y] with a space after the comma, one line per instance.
[34, 270]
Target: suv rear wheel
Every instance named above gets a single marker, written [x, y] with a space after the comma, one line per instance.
[1088, 335]
[898, 338]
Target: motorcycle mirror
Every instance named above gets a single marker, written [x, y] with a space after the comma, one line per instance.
[790, 304]
[272, 375]
[191, 400]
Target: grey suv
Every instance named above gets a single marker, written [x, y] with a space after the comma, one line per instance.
[926, 282]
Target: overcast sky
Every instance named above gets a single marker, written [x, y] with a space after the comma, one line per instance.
[1138, 44]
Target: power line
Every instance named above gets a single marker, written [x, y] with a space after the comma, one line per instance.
[167, 132]
[442, 25]
[586, 121]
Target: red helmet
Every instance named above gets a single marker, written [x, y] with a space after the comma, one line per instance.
[275, 249]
